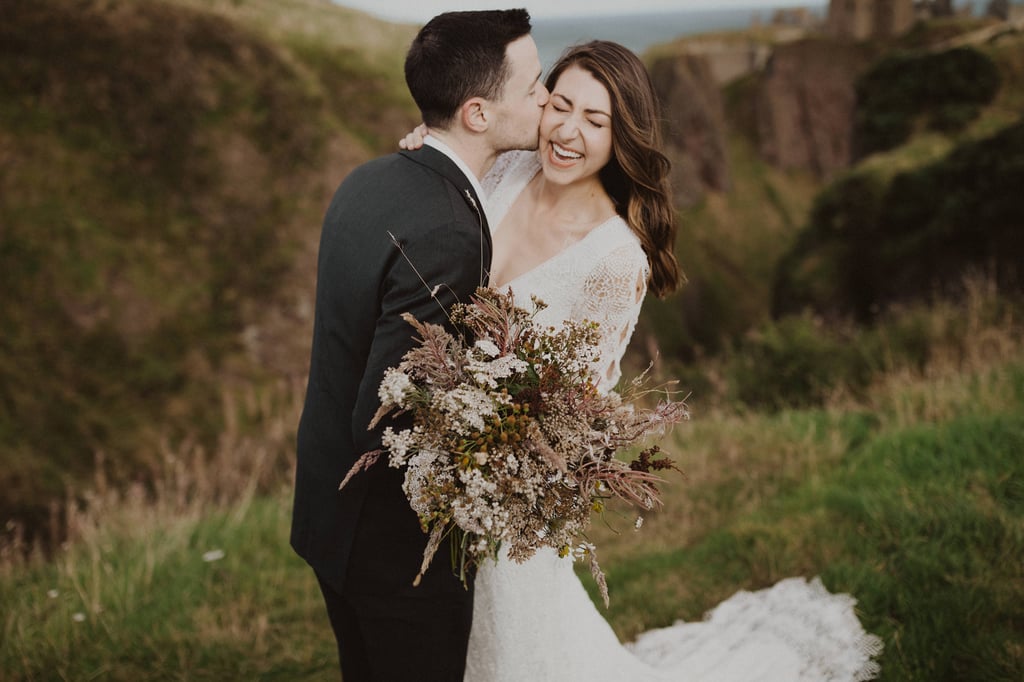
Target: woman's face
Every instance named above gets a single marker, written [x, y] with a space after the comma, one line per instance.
[576, 128]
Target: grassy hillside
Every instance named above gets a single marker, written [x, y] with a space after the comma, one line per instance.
[910, 221]
[779, 240]
[911, 499]
[163, 169]
[163, 173]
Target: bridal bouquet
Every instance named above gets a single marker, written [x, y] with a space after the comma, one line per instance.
[512, 445]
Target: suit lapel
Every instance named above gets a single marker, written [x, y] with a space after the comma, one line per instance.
[441, 164]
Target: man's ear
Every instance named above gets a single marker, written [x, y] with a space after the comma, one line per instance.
[475, 115]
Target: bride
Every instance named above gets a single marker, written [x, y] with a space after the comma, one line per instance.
[586, 224]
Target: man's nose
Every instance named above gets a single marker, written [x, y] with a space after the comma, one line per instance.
[542, 96]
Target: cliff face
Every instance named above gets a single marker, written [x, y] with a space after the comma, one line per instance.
[805, 105]
[802, 107]
[694, 126]
[864, 19]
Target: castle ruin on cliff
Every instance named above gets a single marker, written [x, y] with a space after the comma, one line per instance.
[865, 19]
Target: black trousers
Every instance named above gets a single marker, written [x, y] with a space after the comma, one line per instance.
[402, 637]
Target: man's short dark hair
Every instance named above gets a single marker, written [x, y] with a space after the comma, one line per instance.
[459, 55]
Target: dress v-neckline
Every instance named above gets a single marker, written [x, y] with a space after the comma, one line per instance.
[553, 257]
[544, 263]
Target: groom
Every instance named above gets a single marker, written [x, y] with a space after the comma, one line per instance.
[475, 78]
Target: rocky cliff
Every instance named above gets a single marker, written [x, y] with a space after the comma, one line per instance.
[805, 105]
[801, 104]
[693, 125]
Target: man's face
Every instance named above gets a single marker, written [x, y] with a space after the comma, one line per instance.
[522, 102]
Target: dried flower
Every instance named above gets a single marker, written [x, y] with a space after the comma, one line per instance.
[512, 445]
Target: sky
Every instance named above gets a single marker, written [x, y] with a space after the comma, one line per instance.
[419, 11]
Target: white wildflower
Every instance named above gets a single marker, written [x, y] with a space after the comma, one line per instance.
[488, 347]
[470, 406]
[639, 522]
[487, 372]
[582, 550]
[394, 386]
[398, 444]
[213, 555]
[78, 617]
[53, 594]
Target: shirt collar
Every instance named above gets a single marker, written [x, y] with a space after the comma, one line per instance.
[440, 146]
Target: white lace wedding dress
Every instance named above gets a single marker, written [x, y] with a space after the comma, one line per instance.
[534, 622]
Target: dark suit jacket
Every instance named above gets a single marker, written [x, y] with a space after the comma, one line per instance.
[367, 535]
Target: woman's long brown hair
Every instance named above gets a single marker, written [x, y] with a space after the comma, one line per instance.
[636, 177]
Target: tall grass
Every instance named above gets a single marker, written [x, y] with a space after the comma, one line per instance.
[909, 496]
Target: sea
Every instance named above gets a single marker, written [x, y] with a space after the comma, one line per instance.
[638, 32]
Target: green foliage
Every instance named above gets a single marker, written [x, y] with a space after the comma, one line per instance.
[375, 107]
[921, 502]
[873, 241]
[802, 360]
[828, 255]
[948, 87]
[161, 166]
[154, 609]
[926, 34]
[797, 362]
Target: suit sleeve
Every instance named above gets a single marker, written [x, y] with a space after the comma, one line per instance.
[445, 258]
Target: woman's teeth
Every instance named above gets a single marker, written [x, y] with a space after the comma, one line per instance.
[563, 153]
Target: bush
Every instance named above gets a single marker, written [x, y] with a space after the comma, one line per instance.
[871, 244]
[950, 86]
[797, 362]
[830, 260]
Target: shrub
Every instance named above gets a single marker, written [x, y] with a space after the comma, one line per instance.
[870, 244]
[949, 86]
[795, 362]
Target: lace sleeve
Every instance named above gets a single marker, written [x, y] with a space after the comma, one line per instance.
[614, 293]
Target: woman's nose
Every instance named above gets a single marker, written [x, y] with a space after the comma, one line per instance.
[570, 128]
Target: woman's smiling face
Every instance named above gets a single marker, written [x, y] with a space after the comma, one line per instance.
[576, 128]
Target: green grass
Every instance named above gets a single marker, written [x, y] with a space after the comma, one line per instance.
[153, 609]
[910, 498]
